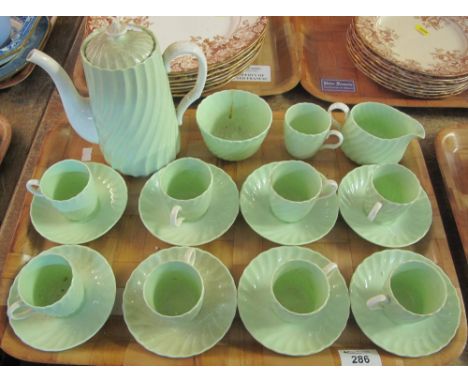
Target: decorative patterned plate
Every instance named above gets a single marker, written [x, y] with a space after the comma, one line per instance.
[221, 38]
[48, 333]
[112, 193]
[18, 61]
[187, 339]
[255, 208]
[423, 44]
[308, 337]
[220, 216]
[412, 339]
[22, 27]
[409, 228]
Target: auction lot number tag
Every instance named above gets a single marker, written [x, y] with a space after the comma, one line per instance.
[360, 358]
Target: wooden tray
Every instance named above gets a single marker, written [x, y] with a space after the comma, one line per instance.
[324, 57]
[5, 136]
[280, 51]
[451, 146]
[27, 70]
[128, 243]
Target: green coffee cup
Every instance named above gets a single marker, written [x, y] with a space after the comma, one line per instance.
[234, 123]
[300, 289]
[174, 291]
[47, 284]
[306, 127]
[295, 187]
[392, 190]
[187, 185]
[69, 187]
[414, 290]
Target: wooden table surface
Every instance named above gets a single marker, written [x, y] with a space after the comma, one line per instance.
[25, 104]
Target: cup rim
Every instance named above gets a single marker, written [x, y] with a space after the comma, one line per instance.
[204, 193]
[241, 141]
[198, 304]
[291, 312]
[308, 105]
[74, 197]
[397, 165]
[433, 268]
[38, 258]
[302, 163]
[358, 106]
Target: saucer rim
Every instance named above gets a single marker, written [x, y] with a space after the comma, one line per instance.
[216, 191]
[233, 301]
[423, 198]
[102, 194]
[277, 252]
[67, 250]
[281, 223]
[405, 255]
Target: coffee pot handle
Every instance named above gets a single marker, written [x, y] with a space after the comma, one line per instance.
[340, 106]
[181, 48]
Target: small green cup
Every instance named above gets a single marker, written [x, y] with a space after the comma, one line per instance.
[295, 187]
[187, 185]
[69, 187]
[174, 291]
[300, 289]
[392, 190]
[306, 127]
[234, 123]
[414, 290]
[47, 284]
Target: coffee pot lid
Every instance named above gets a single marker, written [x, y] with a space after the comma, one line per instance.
[119, 46]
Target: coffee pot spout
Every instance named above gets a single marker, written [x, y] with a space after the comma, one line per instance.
[77, 108]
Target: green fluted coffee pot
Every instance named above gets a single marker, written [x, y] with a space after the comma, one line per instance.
[130, 111]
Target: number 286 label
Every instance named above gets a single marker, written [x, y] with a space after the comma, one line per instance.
[360, 358]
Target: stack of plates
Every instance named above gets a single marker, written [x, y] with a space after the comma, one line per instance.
[423, 57]
[230, 44]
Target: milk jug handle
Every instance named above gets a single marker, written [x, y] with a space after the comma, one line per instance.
[340, 106]
[181, 48]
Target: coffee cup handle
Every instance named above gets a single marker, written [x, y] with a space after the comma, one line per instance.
[32, 185]
[374, 211]
[329, 268]
[332, 185]
[174, 216]
[16, 306]
[340, 106]
[337, 134]
[376, 302]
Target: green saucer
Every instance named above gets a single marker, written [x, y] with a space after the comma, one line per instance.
[221, 214]
[183, 339]
[257, 314]
[48, 333]
[411, 339]
[112, 193]
[255, 207]
[408, 229]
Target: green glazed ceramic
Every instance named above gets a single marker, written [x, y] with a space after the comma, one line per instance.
[408, 229]
[377, 133]
[408, 339]
[255, 207]
[176, 339]
[221, 214]
[392, 190]
[69, 186]
[300, 337]
[234, 123]
[306, 127]
[47, 333]
[112, 200]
